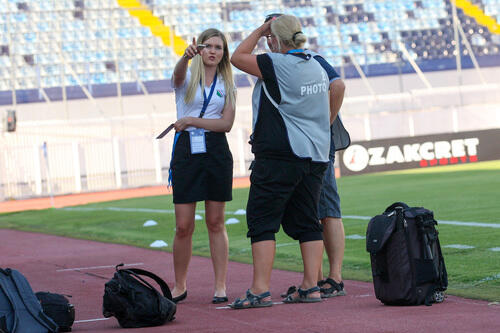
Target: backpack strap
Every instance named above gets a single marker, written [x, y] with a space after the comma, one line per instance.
[3, 323]
[41, 317]
[7, 272]
[164, 287]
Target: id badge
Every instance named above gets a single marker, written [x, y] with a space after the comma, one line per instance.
[197, 140]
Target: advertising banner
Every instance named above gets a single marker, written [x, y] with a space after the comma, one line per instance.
[420, 152]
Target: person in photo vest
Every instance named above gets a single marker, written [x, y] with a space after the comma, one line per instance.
[329, 202]
[291, 143]
[202, 164]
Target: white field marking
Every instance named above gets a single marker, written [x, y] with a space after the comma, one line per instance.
[495, 249]
[120, 209]
[459, 246]
[352, 217]
[471, 224]
[285, 244]
[277, 245]
[460, 223]
[95, 267]
[134, 210]
[90, 320]
[356, 217]
[355, 237]
[488, 278]
[228, 307]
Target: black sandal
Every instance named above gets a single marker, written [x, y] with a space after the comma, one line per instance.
[293, 289]
[290, 291]
[252, 301]
[302, 296]
[335, 289]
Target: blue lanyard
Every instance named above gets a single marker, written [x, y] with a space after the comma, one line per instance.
[296, 51]
[206, 99]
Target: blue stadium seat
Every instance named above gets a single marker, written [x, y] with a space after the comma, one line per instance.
[370, 29]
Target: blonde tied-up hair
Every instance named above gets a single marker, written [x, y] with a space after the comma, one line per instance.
[287, 29]
[223, 68]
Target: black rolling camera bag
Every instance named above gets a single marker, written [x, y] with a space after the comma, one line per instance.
[407, 264]
[135, 302]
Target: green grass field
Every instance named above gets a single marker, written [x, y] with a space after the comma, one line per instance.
[463, 193]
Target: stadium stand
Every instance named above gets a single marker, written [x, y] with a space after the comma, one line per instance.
[98, 43]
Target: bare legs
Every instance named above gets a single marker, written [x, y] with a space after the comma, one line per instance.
[263, 257]
[219, 244]
[184, 228]
[334, 240]
[311, 256]
[184, 220]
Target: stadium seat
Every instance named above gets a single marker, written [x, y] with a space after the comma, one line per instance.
[370, 29]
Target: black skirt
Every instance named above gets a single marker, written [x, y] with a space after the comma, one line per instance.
[205, 176]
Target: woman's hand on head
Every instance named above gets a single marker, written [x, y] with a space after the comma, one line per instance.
[265, 28]
[191, 50]
[183, 123]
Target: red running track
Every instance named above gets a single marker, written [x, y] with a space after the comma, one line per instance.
[71, 266]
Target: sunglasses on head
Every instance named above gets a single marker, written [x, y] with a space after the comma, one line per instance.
[271, 16]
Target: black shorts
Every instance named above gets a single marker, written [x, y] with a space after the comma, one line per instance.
[285, 193]
[206, 176]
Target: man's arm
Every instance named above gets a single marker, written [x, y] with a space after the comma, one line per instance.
[337, 89]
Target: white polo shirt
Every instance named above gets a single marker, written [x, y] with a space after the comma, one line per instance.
[214, 108]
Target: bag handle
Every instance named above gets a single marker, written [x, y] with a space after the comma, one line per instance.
[137, 271]
[395, 205]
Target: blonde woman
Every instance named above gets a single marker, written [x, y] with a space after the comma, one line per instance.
[202, 164]
[291, 142]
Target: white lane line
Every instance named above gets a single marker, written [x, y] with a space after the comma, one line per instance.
[356, 217]
[460, 223]
[352, 217]
[136, 210]
[90, 320]
[355, 236]
[488, 278]
[228, 307]
[286, 244]
[471, 224]
[95, 267]
[459, 246]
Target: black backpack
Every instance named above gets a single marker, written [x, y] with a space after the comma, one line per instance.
[135, 302]
[58, 308]
[20, 310]
[406, 260]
